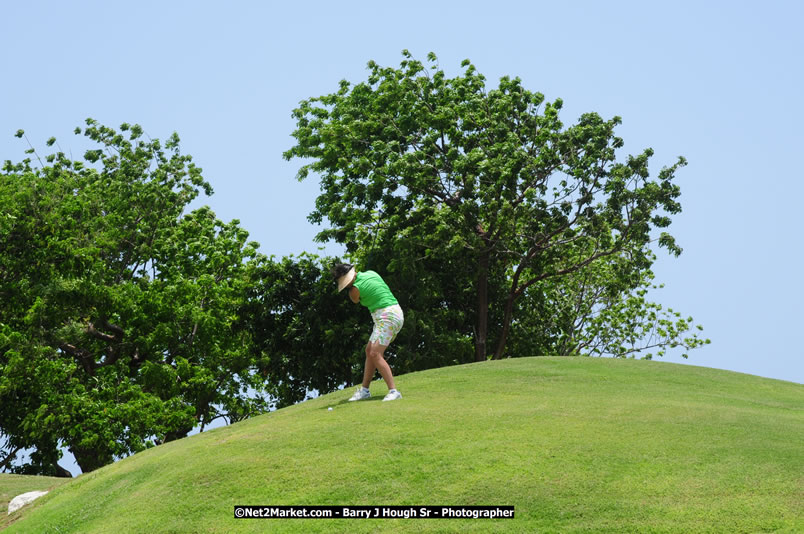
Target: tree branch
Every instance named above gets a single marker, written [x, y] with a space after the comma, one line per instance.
[568, 270]
[9, 458]
[84, 357]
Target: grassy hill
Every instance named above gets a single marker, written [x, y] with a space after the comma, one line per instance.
[13, 485]
[575, 444]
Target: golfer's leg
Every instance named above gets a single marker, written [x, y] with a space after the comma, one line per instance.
[368, 370]
[377, 352]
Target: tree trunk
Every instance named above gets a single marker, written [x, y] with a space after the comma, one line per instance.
[180, 433]
[89, 459]
[482, 326]
[509, 312]
[62, 472]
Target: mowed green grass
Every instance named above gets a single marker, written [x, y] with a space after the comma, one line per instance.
[575, 444]
[13, 485]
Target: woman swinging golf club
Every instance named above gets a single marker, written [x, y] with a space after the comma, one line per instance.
[370, 290]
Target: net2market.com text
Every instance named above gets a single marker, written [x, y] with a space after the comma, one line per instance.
[374, 512]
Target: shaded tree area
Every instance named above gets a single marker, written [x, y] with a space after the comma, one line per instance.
[306, 337]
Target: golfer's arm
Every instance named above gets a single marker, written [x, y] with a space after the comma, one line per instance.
[354, 294]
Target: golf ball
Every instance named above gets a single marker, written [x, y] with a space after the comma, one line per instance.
[330, 408]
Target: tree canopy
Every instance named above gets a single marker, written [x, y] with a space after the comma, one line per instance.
[119, 317]
[490, 182]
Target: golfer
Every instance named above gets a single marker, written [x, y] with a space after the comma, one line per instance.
[370, 290]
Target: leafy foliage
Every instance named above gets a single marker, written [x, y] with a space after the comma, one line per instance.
[588, 313]
[306, 336]
[118, 325]
[486, 186]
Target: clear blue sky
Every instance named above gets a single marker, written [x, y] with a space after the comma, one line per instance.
[717, 82]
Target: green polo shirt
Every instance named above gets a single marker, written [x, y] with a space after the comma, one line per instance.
[374, 292]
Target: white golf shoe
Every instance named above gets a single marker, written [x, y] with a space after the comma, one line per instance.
[392, 395]
[361, 394]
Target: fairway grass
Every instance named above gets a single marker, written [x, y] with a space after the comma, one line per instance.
[13, 485]
[574, 444]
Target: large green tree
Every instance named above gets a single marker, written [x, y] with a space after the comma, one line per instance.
[491, 176]
[119, 322]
